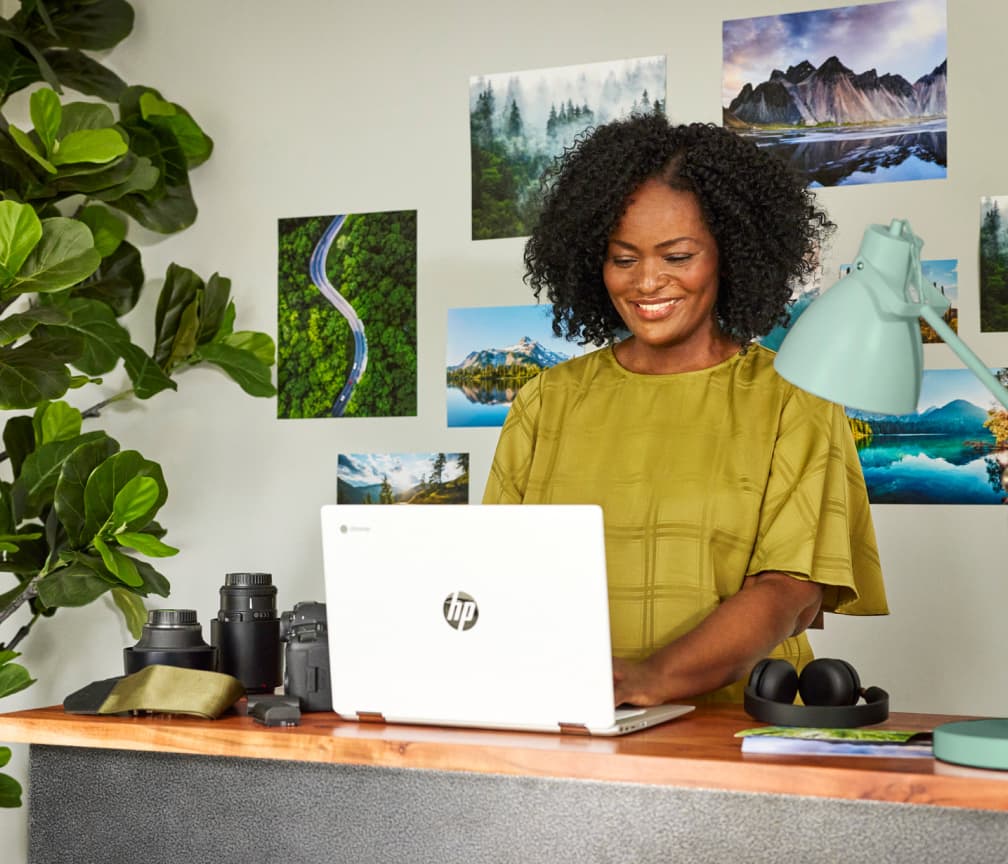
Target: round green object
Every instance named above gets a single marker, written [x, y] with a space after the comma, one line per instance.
[977, 743]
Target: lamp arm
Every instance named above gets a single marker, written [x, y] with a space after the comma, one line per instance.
[963, 352]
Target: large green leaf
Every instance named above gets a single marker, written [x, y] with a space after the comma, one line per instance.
[13, 327]
[68, 498]
[109, 478]
[41, 470]
[63, 257]
[29, 374]
[133, 501]
[19, 440]
[12, 30]
[104, 338]
[118, 281]
[99, 146]
[56, 421]
[28, 146]
[82, 581]
[153, 581]
[80, 72]
[133, 610]
[20, 232]
[244, 367]
[261, 345]
[180, 290]
[16, 70]
[171, 208]
[107, 229]
[13, 677]
[94, 25]
[216, 296]
[148, 378]
[119, 565]
[142, 178]
[78, 116]
[46, 113]
[195, 144]
[10, 789]
[146, 544]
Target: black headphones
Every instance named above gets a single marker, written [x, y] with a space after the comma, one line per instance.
[829, 688]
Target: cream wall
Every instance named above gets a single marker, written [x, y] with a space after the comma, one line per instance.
[319, 107]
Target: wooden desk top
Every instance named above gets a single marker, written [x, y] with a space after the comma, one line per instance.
[698, 750]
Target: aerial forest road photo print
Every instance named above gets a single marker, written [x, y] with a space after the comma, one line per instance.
[346, 316]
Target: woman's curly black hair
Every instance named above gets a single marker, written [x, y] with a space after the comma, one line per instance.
[766, 223]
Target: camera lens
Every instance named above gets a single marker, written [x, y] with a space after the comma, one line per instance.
[246, 631]
[171, 637]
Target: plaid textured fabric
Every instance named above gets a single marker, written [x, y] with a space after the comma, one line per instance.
[704, 478]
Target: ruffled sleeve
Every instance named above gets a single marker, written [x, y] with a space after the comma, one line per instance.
[815, 521]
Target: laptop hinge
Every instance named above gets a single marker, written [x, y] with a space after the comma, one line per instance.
[574, 729]
[370, 717]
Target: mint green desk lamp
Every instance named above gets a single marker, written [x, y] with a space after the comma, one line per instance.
[859, 344]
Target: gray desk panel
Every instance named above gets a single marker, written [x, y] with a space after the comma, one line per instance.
[89, 806]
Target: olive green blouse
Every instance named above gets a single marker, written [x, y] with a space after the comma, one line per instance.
[704, 478]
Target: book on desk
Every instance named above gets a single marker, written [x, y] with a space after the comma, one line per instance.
[809, 741]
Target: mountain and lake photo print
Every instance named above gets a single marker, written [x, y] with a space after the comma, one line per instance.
[952, 450]
[846, 96]
[519, 121]
[492, 351]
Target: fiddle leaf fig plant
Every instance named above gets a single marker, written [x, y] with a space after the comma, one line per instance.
[77, 511]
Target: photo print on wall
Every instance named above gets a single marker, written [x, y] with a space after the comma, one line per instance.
[519, 121]
[346, 315]
[492, 352]
[849, 95]
[952, 450]
[402, 478]
[993, 265]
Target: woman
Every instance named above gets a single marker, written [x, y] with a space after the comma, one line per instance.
[734, 504]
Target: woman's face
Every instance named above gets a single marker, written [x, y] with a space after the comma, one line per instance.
[661, 272]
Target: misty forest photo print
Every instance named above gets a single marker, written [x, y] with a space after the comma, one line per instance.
[518, 121]
[846, 96]
[346, 315]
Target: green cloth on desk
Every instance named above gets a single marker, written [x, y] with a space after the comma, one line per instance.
[704, 478]
[160, 690]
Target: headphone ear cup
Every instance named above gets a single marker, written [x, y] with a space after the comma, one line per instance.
[828, 681]
[775, 680]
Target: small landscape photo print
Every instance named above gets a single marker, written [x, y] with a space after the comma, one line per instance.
[518, 121]
[849, 95]
[994, 264]
[346, 315]
[952, 450]
[492, 352]
[402, 478]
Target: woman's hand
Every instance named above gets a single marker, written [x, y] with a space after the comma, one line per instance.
[635, 683]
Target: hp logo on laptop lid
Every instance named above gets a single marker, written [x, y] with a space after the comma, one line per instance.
[460, 611]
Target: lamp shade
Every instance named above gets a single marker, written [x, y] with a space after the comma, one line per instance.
[859, 343]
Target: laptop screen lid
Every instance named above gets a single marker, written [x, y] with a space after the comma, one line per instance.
[478, 615]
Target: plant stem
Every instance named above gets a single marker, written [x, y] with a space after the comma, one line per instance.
[21, 633]
[29, 592]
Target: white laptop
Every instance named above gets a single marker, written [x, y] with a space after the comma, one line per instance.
[468, 615]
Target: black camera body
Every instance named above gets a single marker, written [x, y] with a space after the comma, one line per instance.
[246, 631]
[306, 657]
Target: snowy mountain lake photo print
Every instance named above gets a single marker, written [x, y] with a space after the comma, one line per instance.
[846, 96]
[952, 450]
[492, 352]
